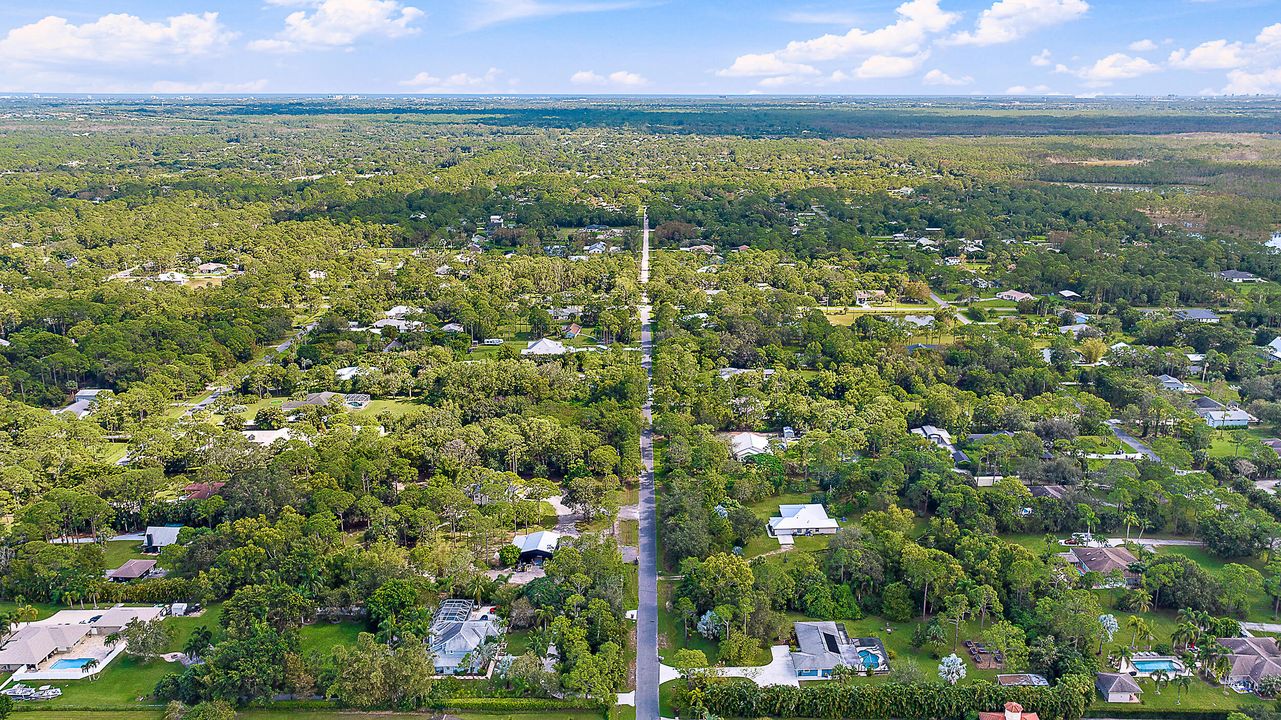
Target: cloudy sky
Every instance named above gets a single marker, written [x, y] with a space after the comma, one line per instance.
[1079, 47]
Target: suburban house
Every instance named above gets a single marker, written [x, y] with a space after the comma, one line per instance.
[809, 519]
[545, 348]
[1012, 711]
[1252, 660]
[32, 647]
[453, 327]
[1200, 315]
[1069, 294]
[1013, 295]
[202, 491]
[1173, 384]
[1239, 276]
[82, 404]
[1205, 404]
[942, 439]
[1058, 492]
[1117, 687]
[267, 437]
[727, 373]
[347, 373]
[746, 444]
[825, 645]
[131, 570]
[211, 268]
[537, 546]
[354, 401]
[573, 330]
[457, 632]
[1104, 561]
[1230, 418]
[158, 536]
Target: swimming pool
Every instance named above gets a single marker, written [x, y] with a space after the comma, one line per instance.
[70, 663]
[1151, 666]
[870, 659]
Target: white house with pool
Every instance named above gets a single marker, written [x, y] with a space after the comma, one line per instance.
[825, 645]
[70, 645]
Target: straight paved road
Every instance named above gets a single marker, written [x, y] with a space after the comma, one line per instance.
[647, 665]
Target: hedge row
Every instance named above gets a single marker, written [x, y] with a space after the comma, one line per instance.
[1065, 701]
[517, 704]
[1139, 713]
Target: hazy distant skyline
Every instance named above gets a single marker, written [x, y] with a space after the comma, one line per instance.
[1075, 47]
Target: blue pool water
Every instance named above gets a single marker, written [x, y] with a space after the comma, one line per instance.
[1149, 666]
[870, 659]
[70, 664]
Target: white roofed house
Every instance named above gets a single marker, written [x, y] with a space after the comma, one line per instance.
[546, 347]
[1013, 295]
[824, 646]
[1200, 315]
[460, 637]
[159, 536]
[537, 546]
[810, 519]
[1233, 417]
[1173, 384]
[746, 444]
[83, 403]
[1239, 276]
[942, 439]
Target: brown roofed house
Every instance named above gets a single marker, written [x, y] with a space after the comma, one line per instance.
[131, 570]
[1104, 561]
[202, 491]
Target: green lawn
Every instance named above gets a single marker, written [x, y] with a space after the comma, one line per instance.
[116, 552]
[629, 532]
[316, 640]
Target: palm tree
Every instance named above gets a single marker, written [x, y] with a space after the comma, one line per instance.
[1185, 634]
[1130, 519]
[1182, 684]
[1220, 669]
[1140, 627]
[1123, 654]
[89, 667]
[1160, 679]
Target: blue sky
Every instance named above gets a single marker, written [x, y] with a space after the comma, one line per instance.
[952, 47]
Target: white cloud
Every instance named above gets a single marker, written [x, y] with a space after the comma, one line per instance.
[820, 17]
[1212, 55]
[938, 77]
[458, 81]
[891, 51]
[1041, 59]
[765, 64]
[1105, 71]
[493, 12]
[890, 66]
[1263, 82]
[1025, 90]
[174, 87]
[329, 24]
[116, 39]
[616, 79]
[1010, 20]
[1144, 45]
